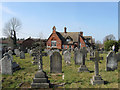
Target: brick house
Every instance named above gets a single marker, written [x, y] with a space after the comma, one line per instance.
[66, 40]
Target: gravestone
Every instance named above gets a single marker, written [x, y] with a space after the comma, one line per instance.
[83, 67]
[111, 61]
[28, 50]
[118, 56]
[50, 52]
[6, 65]
[97, 79]
[10, 53]
[31, 51]
[17, 52]
[22, 55]
[78, 57]
[92, 52]
[56, 63]
[67, 57]
[41, 79]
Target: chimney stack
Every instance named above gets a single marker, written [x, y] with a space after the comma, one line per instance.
[65, 30]
[81, 33]
[54, 29]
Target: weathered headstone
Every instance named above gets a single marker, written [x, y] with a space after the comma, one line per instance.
[118, 56]
[56, 63]
[6, 65]
[17, 52]
[111, 61]
[31, 51]
[28, 50]
[10, 53]
[67, 57]
[92, 52]
[78, 57]
[50, 52]
[83, 67]
[22, 55]
[97, 79]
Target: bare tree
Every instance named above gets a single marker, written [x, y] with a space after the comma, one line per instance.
[109, 37]
[10, 29]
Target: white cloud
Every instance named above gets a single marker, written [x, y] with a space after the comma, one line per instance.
[7, 10]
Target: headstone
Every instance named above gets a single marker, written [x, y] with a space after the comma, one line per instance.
[50, 52]
[28, 50]
[78, 57]
[6, 65]
[118, 56]
[67, 57]
[31, 51]
[56, 63]
[17, 52]
[111, 61]
[10, 53]
[41, 79]
[22, 55]
[83, 67]
[97, 79]
[92, 52]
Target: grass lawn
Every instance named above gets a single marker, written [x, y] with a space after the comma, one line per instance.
[72, 79]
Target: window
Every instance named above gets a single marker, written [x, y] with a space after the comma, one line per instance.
[65, 46]
[53, 43]
[68, 40]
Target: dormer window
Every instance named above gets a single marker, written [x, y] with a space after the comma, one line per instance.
[68, 39]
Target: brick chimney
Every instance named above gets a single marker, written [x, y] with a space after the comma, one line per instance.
[54, 29]
[65, 30]
[81, 33]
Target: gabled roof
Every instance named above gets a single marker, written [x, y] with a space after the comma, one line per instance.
[73, 35]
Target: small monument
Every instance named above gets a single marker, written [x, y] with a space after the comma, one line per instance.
[97, 79]
[111, 61]
[56, 63]
[83, 67]
[41, 79]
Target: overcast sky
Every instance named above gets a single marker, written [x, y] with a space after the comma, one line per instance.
[96, 19]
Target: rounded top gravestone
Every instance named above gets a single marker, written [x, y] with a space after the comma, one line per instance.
[56, 63]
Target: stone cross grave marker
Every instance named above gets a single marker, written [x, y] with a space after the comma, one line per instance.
[41, 79]
[111, 61]
[97, 79]
[83, 67]
[56, 63]
[67, 57]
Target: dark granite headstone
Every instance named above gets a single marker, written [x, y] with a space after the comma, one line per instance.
[118, 56]
[56, 63]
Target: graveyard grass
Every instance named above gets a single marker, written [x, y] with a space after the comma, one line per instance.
[72, 79]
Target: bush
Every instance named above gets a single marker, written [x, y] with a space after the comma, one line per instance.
[108, 45]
